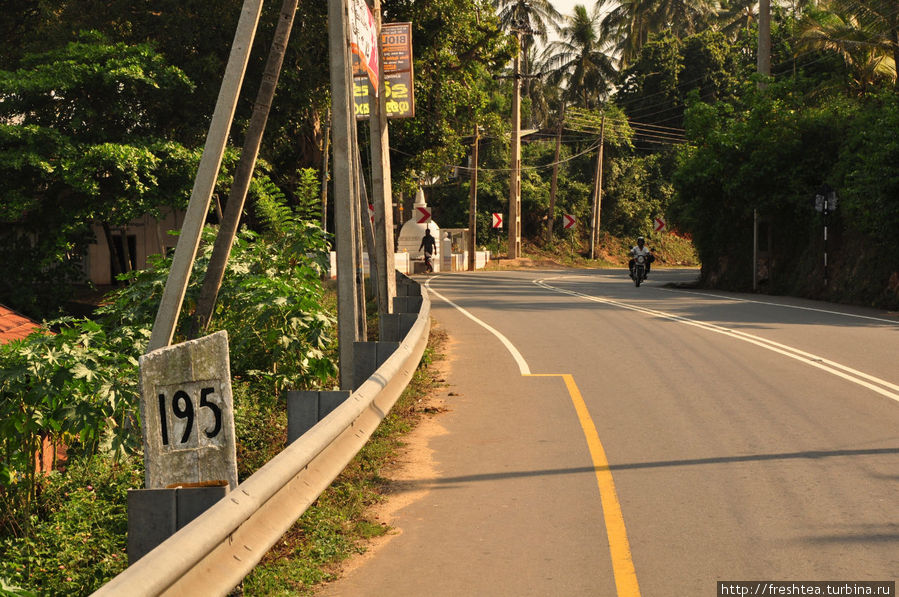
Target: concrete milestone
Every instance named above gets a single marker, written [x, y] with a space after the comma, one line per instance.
[187, 414]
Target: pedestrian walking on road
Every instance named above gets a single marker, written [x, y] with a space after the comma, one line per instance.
[429, 244]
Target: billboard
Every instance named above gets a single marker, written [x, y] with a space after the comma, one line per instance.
[396, 45]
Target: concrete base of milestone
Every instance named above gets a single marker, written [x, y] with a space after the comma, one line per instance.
[154, 515]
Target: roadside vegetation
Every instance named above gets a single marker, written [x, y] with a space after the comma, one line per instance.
[73, 386]
[104, 109]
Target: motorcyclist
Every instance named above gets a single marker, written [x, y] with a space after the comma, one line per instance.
[640, 249]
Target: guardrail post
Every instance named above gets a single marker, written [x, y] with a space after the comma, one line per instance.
[370, 356]
[407, 304]
[306, 408]
[154, 515]
[394, 326]
[406, 286]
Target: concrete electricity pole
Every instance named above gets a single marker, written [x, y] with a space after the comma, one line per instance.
[230, 220]
[382, 185]
[764, 42]
[515, 165]
[207, 174]
[597, 190]
[345, 222]
[554, 185]
[473, 201]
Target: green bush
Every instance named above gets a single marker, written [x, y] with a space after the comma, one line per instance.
[78, 539]
[78, 385]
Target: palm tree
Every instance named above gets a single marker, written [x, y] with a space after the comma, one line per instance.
[736, 15]
[631, 22]
[881, 17]
[628, 25]
[579, 61]
[529, 19]
[865, 35]
[536, 17]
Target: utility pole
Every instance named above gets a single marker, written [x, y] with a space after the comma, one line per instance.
[755, 250]
[515, 166]
[326, 154]
[554, 186]
[764, 41]
[368, 234]
[597, 190]
[345, 222]
[473, 201]
[382, 185]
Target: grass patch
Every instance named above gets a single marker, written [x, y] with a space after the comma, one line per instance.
[338, 525]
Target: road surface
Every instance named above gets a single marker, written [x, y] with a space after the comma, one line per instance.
[613, 440]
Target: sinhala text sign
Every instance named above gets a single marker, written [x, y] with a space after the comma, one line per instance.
[396, 44]
[187, 414]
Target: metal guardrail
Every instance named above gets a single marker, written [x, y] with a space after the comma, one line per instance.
[212, 554]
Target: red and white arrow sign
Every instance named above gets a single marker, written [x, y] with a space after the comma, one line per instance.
[422, 215]
[658, 224]
[567, 221]
[371, 212]
[497, 220]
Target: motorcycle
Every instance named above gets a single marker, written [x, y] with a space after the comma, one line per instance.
[639, 273]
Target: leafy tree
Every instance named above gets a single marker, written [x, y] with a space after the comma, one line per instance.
[773, 156]
[82, 141]
[458, 46]
[653, 90]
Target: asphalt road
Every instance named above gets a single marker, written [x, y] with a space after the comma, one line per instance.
[613, 440]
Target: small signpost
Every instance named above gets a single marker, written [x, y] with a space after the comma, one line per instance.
[187, 414]
[825, 203]
[422, 214]
[568, 221]
[497, 220]
[658, 224]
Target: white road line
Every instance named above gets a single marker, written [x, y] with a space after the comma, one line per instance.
[875, 384]
[801, 308]
[522, 364]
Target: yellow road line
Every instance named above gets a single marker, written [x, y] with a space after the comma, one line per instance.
[622, 562]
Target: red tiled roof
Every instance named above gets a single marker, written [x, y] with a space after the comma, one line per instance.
[14, 326]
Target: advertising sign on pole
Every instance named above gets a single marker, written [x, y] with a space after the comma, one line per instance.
[365, 40]
[396, 46]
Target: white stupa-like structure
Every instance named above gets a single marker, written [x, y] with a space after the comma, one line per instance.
[412, 232]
